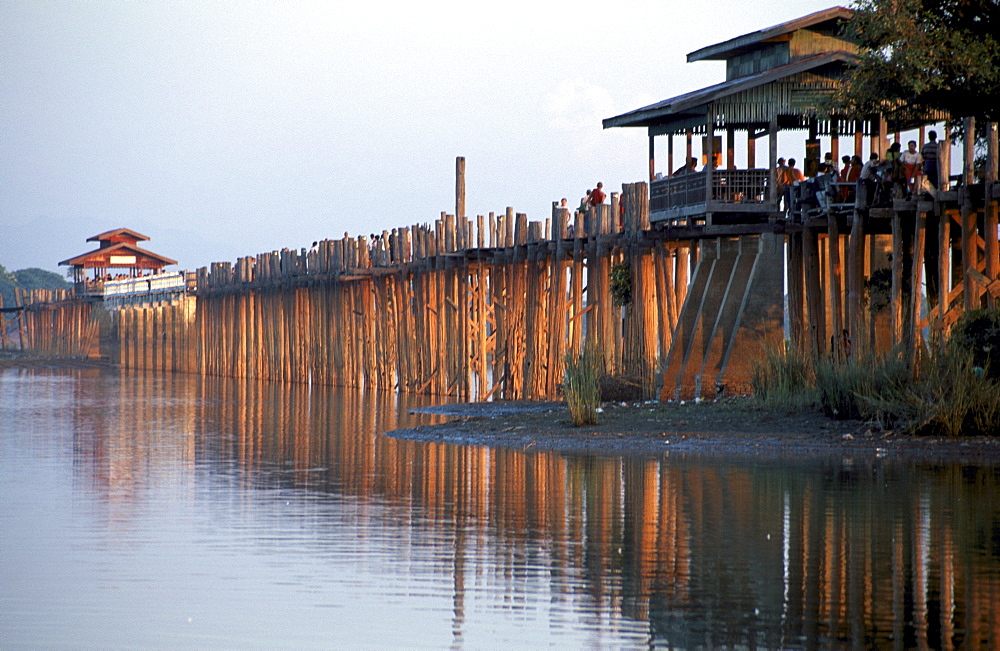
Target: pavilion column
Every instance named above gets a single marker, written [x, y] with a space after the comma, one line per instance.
[670, 155]
[730, 149]
[710, 152]
[835, 140]
[687, 134]
[859, 139]
[772, 162]
[652, 159]
[811, 163]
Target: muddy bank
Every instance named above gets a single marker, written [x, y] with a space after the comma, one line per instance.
[18, 359]
[729, 426]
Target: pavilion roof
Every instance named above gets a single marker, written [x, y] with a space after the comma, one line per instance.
[127, 232]
[734, 46]
[683, 110]
[101, 257]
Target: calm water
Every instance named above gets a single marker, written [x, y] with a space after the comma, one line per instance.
[175, 511]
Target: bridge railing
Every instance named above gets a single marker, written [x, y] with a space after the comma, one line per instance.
[728, 186]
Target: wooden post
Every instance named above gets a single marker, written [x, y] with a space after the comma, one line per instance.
[772, 162]
[460, 187]
[652, 161]
[990, 220]
[856, 277]
[970, 247]
[834, 287]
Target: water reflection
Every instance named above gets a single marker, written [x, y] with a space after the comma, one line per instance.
[488, 546]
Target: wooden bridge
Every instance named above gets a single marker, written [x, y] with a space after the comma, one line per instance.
[489, 307]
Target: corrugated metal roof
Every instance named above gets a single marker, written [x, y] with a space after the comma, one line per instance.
[696, 103]
[733, 46]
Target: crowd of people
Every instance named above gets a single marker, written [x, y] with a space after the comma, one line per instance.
[898, 174]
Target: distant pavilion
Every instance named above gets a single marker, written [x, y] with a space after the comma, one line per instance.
[118, 255]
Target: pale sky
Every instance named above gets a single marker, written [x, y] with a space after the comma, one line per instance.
[225, 129]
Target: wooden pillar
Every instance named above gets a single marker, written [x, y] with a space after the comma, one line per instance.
[835, 142]
[896, 289]
[944, 160]
[670, 155]
[990, 219]
[834, 286]
[859, 139]
[460, 187]
[813, 290]
[970, 246]
[730, 149]
[772, 162]
[796, 283]
[652, 159]
[855, 277]
[751, 149]
[944, 266]
[912, 337]
[709, 156]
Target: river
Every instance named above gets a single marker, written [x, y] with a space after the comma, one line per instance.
[143, 511]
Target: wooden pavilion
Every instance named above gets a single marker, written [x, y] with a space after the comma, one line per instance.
[776, 79]
[118, 255]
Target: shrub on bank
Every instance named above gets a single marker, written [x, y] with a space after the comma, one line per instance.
[948, 391]
[581, 385]
[978, 332]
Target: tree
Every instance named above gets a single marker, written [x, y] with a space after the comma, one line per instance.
[31, 278]
[921, 56]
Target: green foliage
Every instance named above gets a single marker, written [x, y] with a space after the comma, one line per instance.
[947, 396]
[978, 333]
[582, 385]
[923, 55]
[878, 290]
[31, 278]
[621, 284]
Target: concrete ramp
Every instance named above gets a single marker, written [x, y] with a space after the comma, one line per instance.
[734, 307]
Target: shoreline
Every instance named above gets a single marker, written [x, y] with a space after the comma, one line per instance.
[732, 426]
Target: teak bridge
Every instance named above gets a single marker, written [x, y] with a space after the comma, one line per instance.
[680, 283]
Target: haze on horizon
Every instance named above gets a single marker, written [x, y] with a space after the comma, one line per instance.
[224, 129]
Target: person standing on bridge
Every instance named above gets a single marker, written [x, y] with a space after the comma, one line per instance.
[929, 152]
[597, 196]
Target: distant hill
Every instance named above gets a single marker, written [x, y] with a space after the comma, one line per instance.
[32, 278]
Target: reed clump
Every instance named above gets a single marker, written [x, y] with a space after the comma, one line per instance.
[581, 385]
[784, 378]
[945, 390]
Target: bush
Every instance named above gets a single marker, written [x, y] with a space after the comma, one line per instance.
[948, 396]
[978, 333]
[581, 385]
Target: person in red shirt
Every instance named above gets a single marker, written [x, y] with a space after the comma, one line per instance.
[597, 196]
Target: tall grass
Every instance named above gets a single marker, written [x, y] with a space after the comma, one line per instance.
[946, 395]
[783, 379]
[942, 392]
[581, 385]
